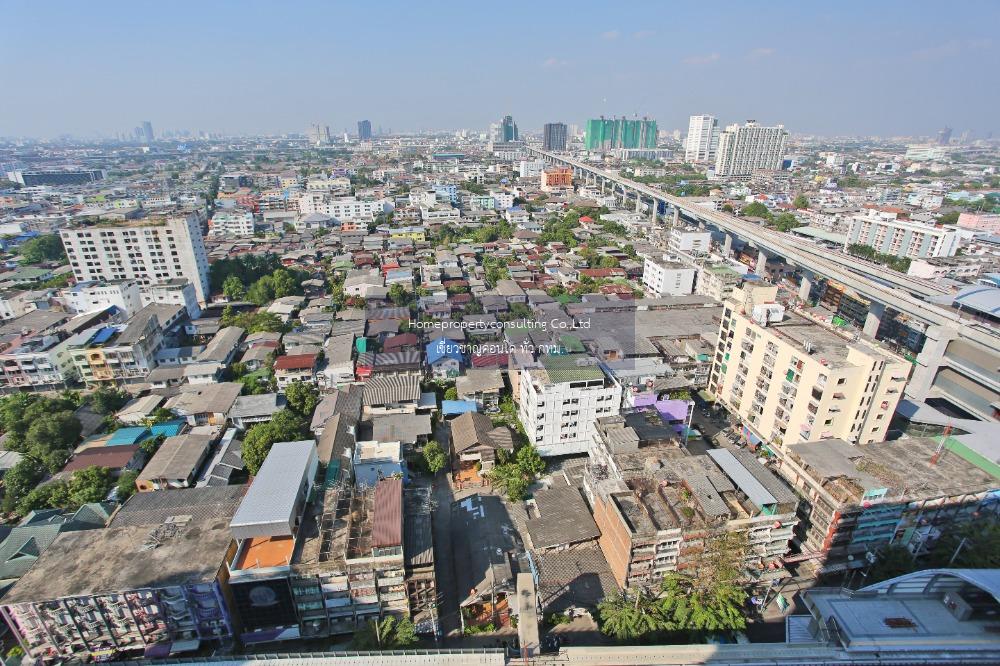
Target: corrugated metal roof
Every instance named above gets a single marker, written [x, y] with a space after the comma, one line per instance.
[744, 480]
[387, 524]
[267, 509]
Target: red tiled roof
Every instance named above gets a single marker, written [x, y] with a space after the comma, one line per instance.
[295, 362]
[490, 360]
[387, 523]
[401, 340]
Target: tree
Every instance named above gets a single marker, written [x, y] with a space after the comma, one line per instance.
[107, 400]
[529, 461]
[785, 222]
[628, 615]
[451, 393]
[435, 457]
[683, 606]
[388, 633]
[284, 426]
[756, 209]
[126, 484]
[302, 398]
[398, 295]
[893, 560]
[951, 217]
[20, 480]
[234, 289]
[801, 201]
[90, 484]
[51, 437]
[608, 261]
[42, 248]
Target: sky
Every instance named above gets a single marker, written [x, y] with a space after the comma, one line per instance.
[829, 68]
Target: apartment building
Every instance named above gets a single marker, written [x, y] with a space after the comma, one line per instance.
[661, 277]
[557, 178]
[702, 140]
[93, 296]
[793, 379]
[661, 509]
[985, 222]
[559, 402]
[907, 492]
[231, 223]
[885, 232]
[689, 240]
[717, 281]
[744, 149]
[177, 291]
[118, 353]
[38, 362]
[342, 208]
[150, 251]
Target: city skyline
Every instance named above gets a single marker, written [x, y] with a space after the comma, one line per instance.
[772, 66]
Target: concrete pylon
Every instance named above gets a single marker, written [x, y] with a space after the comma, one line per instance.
[727, 244]
[761, 268]
[604, 182]
[875, 313]
[652, 211]
[638, 202]
[805, 286]
[677, 216]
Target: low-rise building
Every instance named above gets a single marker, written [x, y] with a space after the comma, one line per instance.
[176, 463]
[667, 278]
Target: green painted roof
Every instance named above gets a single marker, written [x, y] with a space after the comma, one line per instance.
[565, 369]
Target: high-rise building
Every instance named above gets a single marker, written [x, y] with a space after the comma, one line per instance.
[702, 140]
[147, 131]
[744, 149]
[508, 129]
[554, 136]
[152, 250]
[605, 134]
[944, 136]
[319, 135]
[792, 379]
[364, 130]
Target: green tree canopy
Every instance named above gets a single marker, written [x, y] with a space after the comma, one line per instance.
[108, 400]
[785, 222]
[435, 457]
[801, 201]
[234, 289]
[302, 398]
[285, 426]
[756, 209]
[451, 393]
[629, 615]
[42, 248]
[388, 633]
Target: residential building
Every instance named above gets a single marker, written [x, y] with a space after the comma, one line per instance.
[474, 443]
[176, 291]
[791, 378]
[374, 461]
[557, 178]
[232, 222]
[661, 509]
[907, 492]
[344, 208]
[607, 134]
[150, 251]
[702, 140]
[667, 278]
[560, 401]
[175, 464]
[37, 362]
[717, 281]
[986, 222]
[688, 240]
[249, 410]
[886, 233]
[94, 296]
[117, 353]
[744, 149]
[554, 136]
[294, 368]
[364, 130]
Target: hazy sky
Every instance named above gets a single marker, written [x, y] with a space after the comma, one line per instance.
[826, 67]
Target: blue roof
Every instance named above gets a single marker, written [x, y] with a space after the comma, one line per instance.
[451, 407]
[167, 428]
[103, 335]
[128, 436]
[441, 348]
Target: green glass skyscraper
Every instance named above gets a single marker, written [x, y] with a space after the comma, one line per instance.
[604, 134]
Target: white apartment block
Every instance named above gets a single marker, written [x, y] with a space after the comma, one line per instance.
[341, 208]
[39, 362]
[690, 241]
[702, 141]
[178, 291]
[150, 251]
[793, 379]
[662, 277]
[440, 213]
[886, 233]
[502, 200]
[93, 296]
[744, 149]
[231, 223]
[560, 401]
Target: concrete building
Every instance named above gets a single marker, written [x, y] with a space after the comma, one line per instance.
[374, 461]
[559, 402]
[702, 140]
[233, 222]
[344, 208]
[100, 295]
[717, 281]
[886, 233]
[986, 222]
[667, 278]
[792, 379]
[118, 353]
[660, 509]
[557, 178]
[907, 492]
[744, 149]
[689, 240]
[151, 251]
[364, 130]
[554, 136]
